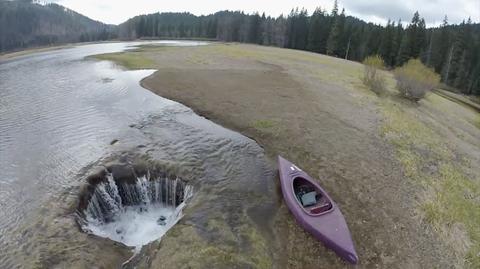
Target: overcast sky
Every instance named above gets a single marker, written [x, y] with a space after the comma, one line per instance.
[377, 11]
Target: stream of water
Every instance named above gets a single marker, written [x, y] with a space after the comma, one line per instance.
[60, 112]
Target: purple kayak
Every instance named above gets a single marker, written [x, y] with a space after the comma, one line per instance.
[315, 211]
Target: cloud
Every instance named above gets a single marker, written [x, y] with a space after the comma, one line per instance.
[432, 10]
[378, 11]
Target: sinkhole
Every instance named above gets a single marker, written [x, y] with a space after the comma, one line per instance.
[132, 207]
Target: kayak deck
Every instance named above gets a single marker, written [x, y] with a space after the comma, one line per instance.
[315, 211]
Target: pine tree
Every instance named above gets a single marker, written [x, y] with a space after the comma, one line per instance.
[474, 80]
[335, 32]
[342, 36]
[335, 9]
[420, 40]
[290, 30]
[314, 31]
[413, 42]
[302, 30]
[454, 56]
[440, 45]
[397, 40]
[461, 56]
[404, 51]
[462, 72]
[254, 32]
[386, 43]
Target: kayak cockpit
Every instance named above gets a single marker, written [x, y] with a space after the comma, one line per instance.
[310, 197]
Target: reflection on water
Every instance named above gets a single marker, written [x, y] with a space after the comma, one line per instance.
[59, 114]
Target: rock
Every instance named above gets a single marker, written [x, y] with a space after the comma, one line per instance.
[107, 80]
[162, 221]
[118, 231]
[114, 141]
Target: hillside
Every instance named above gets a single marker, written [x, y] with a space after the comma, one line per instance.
[451, 49]
[404, 174]
[25, 24]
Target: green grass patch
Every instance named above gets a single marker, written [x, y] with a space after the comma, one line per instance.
[477, 123]
[409, 134]
[453, 198]
[234, 51]
[130, 59]
[263, 124]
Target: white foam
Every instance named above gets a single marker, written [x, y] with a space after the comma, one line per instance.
[139, 224]
[136, 227]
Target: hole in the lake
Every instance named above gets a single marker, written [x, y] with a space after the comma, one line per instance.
[132, 208]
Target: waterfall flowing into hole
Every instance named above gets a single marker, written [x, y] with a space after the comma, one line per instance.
[135, 212]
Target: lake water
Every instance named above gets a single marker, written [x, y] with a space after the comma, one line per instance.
[59, 114]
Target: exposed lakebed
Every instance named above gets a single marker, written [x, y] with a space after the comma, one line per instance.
[65, 119]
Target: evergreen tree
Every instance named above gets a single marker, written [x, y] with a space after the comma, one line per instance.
[474, 80]
[335, 9]
[302, 30]
[454, 56]
[342, 36]
[386, 44]
[396, 43]
[290, 31]
[413, 41]
[440, 45]
[420, 40]
[462, 73]
[335, 32]
[254, 33]
[460, 63]
[316, 37]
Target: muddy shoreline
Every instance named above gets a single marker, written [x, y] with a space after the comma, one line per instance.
[371, 154]
[330, 130]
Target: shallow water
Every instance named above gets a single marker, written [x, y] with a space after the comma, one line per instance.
[59, 113]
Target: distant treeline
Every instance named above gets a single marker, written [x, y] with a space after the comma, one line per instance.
[452, 50]
[24, 23]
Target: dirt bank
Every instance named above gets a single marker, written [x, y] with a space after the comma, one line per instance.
[314, 110]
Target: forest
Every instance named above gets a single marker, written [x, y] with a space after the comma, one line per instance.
[24, 23]
[453, 51]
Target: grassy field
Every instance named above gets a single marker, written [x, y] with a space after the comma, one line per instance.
[413, 165]
[130, 60]
[450, 195]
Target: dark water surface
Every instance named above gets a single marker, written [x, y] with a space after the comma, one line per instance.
[59, 113]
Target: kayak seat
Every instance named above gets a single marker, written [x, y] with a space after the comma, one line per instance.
[322, 208]
[309, 198]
